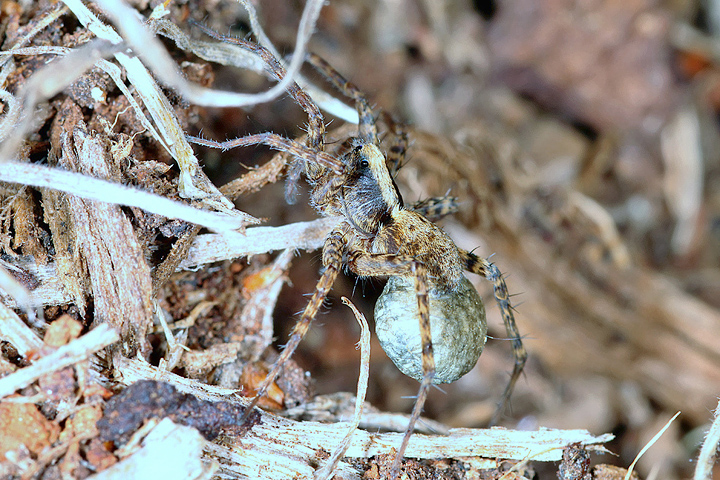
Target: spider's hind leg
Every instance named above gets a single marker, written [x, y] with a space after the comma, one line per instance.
[436, 208]
[487, 269]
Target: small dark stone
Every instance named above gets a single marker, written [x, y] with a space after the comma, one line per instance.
[126, 412]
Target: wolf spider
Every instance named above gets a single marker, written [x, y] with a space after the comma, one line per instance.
[429, 318]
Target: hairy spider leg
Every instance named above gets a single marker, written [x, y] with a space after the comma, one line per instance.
[436, 208]
[366, 126]
[332, 263]
[398, 148]
[315, 138]
[311, 159]
[315, 161]
[385, 264]
[487, 269]
[316, 123]
[277, 142]
[389, 264]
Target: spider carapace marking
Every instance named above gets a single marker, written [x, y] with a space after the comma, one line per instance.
[429, 318]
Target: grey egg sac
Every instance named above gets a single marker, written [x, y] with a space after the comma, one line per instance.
[458, 328]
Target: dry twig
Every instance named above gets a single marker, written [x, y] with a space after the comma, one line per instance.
[290, 448]
[16, 333]
[76, 351]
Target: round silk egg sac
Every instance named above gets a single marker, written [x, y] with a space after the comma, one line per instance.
[458, 328]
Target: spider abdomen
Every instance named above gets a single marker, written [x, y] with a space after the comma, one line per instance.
[458, 328]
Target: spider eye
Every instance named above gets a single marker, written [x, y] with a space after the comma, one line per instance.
[364, 163]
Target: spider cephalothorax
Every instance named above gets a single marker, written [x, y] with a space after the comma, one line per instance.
[430, 320]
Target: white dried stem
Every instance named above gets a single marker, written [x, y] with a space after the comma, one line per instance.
[259, 308]
[649, 444]
[38, 50]
[129, 371]
[175, 345]
[145, 44]
[14, 331]
[205, 249]
[327, 469]
[19, 293]
[12, 104]
[199, 310]
[256, 240]
[53, 78]
[338, 407]
[52, 15]
[95, 189]
[115, 73]
[74, 352]
[325, 101]
[233, 55]
[51, 291]
[105, 244]
[9, 121]
[43, 84]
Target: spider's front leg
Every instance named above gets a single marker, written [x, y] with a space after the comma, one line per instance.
[398, 145]
[372, 265]
[332, 263]
[367, 129]
[276, 142]
[310, 157]
[366, 125]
